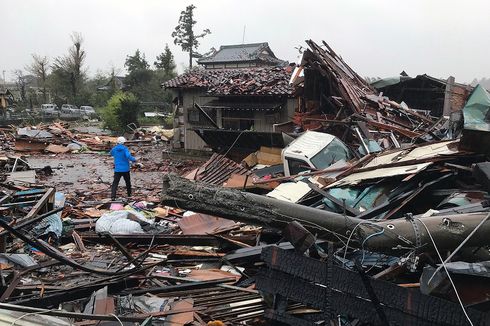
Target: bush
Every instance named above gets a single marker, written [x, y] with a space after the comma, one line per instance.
[166, 122]
[121, 110]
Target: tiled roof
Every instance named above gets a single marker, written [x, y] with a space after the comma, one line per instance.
[242, 53]
[251, 81]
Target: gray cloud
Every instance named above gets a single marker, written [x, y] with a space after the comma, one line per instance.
[376, 37]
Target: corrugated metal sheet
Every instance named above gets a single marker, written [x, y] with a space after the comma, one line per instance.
[217, 170]
[204, 224]
[379, 173]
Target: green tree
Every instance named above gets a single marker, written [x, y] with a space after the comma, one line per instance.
[96, 98]
[165, 62]
[184, 33]
[136, 62]
[58, 83]
[121, 110]
[139, 73]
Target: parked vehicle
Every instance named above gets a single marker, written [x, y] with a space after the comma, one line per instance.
[88, 111]
[50, 109]
[70, 109]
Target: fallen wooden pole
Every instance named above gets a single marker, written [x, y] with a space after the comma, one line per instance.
[391, 236]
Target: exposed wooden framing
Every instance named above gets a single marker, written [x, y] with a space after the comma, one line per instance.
[300, 279]
[47, 197]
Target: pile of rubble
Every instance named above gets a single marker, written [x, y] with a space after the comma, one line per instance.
[375, 214]
[102, 261]
[57, 138]
[386, 206]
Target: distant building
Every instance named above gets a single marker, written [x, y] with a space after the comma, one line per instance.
[241, 56]
[243, 87]
[6, 99]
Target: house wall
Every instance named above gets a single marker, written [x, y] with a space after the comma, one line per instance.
[3, 102]
[263, 120]
[191, 140]
[459, 96]
[185, 120]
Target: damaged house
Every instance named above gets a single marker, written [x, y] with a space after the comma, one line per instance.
[241, 88]
[6, 100]
[424, 92]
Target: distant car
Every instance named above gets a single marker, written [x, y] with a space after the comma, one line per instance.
[70, 109]
[88, 111]
[50, 109]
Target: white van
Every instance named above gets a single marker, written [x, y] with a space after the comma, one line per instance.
[313, 150]
[50, 109]
[88, 111]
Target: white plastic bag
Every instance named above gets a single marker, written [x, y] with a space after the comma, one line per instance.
[117, 222]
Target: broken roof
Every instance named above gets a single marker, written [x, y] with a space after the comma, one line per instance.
[243, 53]
[250, 81]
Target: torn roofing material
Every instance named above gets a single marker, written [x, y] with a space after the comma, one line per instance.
[379, 167]
[250, 81]
[217, 170]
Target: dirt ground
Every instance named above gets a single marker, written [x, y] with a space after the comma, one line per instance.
[87, 174]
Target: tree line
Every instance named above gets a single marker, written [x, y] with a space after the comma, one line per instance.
[64, 79]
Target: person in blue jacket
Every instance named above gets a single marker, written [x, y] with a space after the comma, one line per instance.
[122, 159]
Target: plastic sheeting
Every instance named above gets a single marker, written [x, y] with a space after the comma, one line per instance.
[52, 223]
[476, 112]
[121, 222]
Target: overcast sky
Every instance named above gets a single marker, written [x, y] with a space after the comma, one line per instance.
[375, 37]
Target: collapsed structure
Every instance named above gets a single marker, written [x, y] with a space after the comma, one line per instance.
[414, 193]
[352, 209]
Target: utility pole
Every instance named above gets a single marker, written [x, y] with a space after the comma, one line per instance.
[4, 81]
[243, 36]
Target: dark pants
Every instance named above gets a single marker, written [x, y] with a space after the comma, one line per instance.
[115, 183]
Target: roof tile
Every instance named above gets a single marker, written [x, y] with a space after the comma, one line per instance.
[250, 81]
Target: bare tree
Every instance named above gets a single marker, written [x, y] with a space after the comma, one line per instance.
[72, 63]
[21, 83]
[39, 68]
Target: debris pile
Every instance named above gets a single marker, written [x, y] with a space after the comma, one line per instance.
[389, 224]
[134, 262]
[373, 213]
[57, 138]
[334, 98]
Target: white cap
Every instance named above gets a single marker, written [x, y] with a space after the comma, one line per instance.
[121, 140]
